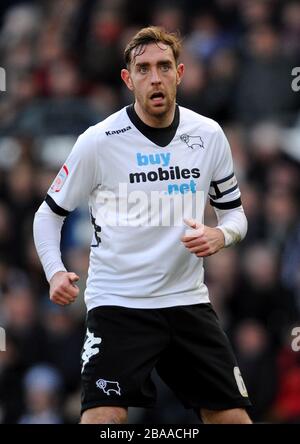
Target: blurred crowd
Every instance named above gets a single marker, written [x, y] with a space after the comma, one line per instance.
[62, 60]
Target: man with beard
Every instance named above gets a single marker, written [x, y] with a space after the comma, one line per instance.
[148, 306]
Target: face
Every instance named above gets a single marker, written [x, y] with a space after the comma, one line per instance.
[153, 77]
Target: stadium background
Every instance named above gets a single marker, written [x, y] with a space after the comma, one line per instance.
[62, 62]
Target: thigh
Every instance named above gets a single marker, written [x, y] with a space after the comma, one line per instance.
[200, 365]
[120, 350]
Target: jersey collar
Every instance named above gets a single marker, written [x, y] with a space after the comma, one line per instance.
[159, 136]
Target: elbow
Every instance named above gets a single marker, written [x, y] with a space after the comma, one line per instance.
[35, 225]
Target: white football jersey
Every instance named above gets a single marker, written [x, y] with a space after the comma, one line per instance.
[137, 259]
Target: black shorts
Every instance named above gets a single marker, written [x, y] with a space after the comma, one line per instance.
[185, 344]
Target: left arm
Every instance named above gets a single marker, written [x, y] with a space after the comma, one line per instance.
[225, 198]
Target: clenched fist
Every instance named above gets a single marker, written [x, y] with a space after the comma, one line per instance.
[63, 290]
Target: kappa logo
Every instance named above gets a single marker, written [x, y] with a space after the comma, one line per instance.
[89, 348]
[108, 386]
[192, 141]
[120, 131]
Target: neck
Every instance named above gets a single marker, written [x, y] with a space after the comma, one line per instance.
[160, 121]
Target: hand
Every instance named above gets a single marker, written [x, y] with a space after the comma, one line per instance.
[202, 240]
[63, 291]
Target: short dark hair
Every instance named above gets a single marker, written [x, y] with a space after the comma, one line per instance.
[152, 34]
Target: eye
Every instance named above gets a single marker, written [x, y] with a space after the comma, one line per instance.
[165, 67]
[143, 69]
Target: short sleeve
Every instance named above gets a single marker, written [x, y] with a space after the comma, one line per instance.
[224, 192]
[77, 178]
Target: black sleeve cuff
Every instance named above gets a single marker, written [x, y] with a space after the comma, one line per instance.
[226, 205]
[55, 208]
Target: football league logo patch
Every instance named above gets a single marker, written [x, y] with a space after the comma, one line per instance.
[60, 179]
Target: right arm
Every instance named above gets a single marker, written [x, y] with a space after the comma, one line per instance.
[78, 177]
[47, 232]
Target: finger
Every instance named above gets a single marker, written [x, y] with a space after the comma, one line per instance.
[190, 222]
[198, 249]
[63, 296]
[199, 241]
[197, 230]
[71, 291]
[73, 277]
[67, 298]
[58, 300]
[204, 253]
[68, 290]
[63, 301]
[195, 234]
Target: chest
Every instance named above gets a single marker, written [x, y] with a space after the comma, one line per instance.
[183, 166]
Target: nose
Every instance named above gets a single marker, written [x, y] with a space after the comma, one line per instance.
[155, 76]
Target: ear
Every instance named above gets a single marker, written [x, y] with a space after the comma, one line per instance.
[180, 72]
[125, 75]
